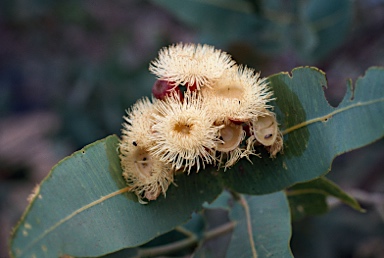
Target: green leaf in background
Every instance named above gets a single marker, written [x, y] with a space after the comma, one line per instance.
[203, 253]
[263, 227]
[221, 202]
[314, 132]
[83, 209]
[218, 21]
[310, 198]
[311, 28]
[330, 21]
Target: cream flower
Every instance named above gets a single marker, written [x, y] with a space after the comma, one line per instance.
[138, 123]
[190, 65]
[239, 95]
[236, 98]
[184, 132]
[146, 175]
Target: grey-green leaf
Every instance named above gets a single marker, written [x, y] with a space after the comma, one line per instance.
[313, 28]
[203, 253]
[217, 21]
[309, 198]
[330, 21]
[82, 208]
[262, 228]
[314, 132]
[222, 202]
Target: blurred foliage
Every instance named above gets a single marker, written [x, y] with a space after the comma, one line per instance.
[311, 28]
[70, 57]
[88, 60]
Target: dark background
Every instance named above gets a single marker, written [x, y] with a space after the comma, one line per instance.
[69, 69]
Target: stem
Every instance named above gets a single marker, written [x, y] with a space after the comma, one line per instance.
[184, 243]
[221, 230]
[186, 232]
[236, 196]
[166, 249]
[244, 203]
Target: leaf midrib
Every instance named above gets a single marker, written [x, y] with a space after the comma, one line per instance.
[325, 117]
[73, 214]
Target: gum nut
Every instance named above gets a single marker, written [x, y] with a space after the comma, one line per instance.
[231, 135]
[265, 130]
[162, 89]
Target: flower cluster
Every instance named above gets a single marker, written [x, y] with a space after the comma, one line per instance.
[206, 109]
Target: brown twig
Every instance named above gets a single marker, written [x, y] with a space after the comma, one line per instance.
[184, 243]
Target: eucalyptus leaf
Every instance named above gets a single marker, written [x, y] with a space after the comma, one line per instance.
[314, 132]
[310, 198]
[203, 253]
[262, 228]
[195, 225]
[223, 201]
[307, 205]
[330, 20]
[312, 28]
[83, 209]
[218, 21]
[125, 253]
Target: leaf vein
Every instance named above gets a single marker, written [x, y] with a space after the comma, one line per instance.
[73, 214]
[324, 118]
[307, 191]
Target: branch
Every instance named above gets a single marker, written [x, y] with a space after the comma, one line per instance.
[184, 243]
[186, 232]
[245, 205]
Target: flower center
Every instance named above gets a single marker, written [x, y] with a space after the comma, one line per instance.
[182, 128]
